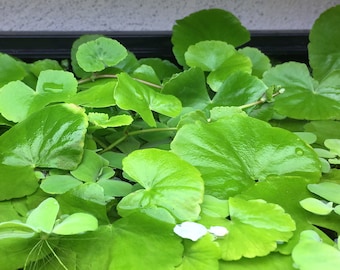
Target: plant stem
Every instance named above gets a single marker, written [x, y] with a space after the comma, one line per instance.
[114, 76]
[136, 132]
[260, 101]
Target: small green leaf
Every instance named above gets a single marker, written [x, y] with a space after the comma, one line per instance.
[102, 120]
[312, 254]
[327, 190]
[333, 145]
[115, 188]
[316, 206]
[210, 24]
[208, 55]
[168, 182]
[133, 95]
[98, 96]
[44, 216]
[59, 184]
[75, 224]
[90, 167]
[96, 55]
[10, 69]
[307, 137]
[15, 230]
[260, 61]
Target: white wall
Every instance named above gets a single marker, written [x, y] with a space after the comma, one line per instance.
[152, 15]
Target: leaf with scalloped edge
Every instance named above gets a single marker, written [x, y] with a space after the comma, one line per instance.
[168, 182]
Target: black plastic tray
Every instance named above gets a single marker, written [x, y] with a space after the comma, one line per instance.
[31, 46]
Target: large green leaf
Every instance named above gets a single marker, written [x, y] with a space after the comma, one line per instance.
[211, 24]
[304, 98]
[50, 138]
[10, 69]
[169, 183]
[133, 95]
[141, 242]
[234, 152]
[96, 55]
[52, 86]
[324, 46]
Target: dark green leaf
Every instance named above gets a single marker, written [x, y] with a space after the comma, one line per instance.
[324, 46]
[211, 24]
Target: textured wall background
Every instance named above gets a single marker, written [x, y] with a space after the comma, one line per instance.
[152, 15]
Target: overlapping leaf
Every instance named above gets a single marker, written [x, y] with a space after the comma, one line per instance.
[168, 183]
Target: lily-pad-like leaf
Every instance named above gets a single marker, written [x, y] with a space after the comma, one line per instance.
[133, 95]
[44, 216]
[235, 63]
[76, 223]
[324, 46]
[333, 145]
[189, 87]
[201, 255]
[211, 24]
[168, 182]
[260, 61]
[52, 137]
[98, 96]
[142, 242]
[255, 227]
[96, 55]
[10, 69]
[59, 184]
[304, 98]
[102, 120]
[312, 254]
[327, 190]
[234, 152]
[208, 55]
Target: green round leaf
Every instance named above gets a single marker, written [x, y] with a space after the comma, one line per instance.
[44, 216]
[59, 184]
[333, 145]
[96, 55]
[324, 46]
[316, 206]
[211, 24]
[234, 152]
[208, 55]
[168, 182]
[303, 97]
[327, 190]
[75, 224]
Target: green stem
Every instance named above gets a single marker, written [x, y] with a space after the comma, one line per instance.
[260, 101]
[114, 76]
[133, 133]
